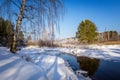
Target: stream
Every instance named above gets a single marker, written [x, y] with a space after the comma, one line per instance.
[97, 69]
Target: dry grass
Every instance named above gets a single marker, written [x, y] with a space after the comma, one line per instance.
[31, 43]
[110, 43]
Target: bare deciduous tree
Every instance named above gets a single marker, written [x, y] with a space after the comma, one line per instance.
[40, 12]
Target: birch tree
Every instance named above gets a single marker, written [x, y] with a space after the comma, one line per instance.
[42, 12]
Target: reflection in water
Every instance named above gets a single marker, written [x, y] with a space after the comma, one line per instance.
[97, 69]
[71, 60]
[88, 64]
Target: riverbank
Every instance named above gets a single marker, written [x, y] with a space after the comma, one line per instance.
[106, 52]
[28, 64]
[46, 63]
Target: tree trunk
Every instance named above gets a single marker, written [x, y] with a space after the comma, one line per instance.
[18, 24]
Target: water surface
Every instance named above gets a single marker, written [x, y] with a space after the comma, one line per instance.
[97, 69]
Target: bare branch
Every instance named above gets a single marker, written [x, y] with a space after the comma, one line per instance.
[19, 2]
[15, 4]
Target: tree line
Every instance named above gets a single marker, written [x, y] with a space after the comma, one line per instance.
[7, 32]
[6, 29]
[109, 36]
[87, 34]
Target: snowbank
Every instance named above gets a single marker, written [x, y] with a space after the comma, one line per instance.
[103, 46]
[107, 52]
[54, 67]
[14, 68]
[48, 67]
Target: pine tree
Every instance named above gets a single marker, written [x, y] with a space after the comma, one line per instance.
[6, 29]
[87, 32]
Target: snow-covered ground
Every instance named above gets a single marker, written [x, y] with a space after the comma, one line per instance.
[33, 63]
[106, 52]
[49, 61]
[48, 67]
[15, 68]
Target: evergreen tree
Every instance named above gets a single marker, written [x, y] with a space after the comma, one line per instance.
[6, 29]
[87, 32]
[109, 36]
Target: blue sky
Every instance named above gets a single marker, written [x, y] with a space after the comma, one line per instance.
[104, 13]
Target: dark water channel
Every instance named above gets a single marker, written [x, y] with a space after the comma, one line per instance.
[97, 69]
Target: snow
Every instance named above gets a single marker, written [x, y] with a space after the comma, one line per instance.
[106, 52]
[14, 68]
[34, 63]
[48, 67]
[53, 66]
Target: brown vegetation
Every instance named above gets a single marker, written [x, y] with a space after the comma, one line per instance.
[109, 43]
[41, 43]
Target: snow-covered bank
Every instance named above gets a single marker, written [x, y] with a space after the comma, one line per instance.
[45, 63]
[48, 67]
[107, 52]
[53, 66]
[14, 68]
